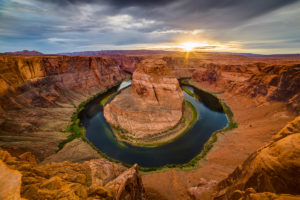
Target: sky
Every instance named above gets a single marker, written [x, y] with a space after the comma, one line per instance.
[56, 26]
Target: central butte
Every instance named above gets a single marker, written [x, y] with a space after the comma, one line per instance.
[151, 106]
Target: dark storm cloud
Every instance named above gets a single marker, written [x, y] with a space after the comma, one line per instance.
[215, 13]
[199, 5]
[115, 3]
[186, 13]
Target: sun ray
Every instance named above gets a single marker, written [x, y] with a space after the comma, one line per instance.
[189, 46]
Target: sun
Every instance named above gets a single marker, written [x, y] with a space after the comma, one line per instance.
[189, 46]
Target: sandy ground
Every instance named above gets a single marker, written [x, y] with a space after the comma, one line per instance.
[258, 123]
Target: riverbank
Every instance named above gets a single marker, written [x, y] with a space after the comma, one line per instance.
[75, 127]
[192, 162]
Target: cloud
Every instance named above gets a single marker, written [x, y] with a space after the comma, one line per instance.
[114, 3]
[125, 21]
[176, 13]
[62, 25]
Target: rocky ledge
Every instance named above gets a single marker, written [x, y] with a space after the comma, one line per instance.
[21, 177]
[153, 104]
[38, 95]
[269, 172]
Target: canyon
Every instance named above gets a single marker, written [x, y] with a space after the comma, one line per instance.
[38, 95]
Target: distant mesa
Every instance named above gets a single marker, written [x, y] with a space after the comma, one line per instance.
[153, 103]
[25, 53]
[115, 52]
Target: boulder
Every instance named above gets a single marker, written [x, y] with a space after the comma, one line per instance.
[10, 183]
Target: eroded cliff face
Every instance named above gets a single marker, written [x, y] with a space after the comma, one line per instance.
[42, 81]
[152, 104]
[95, 179]
[39, 95]
[274, 168]
[154, 81]
[262, 81]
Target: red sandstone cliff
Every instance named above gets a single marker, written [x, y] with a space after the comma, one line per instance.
[41, 81]
[263, 81]
[38, 95]
[153, 104]
[67, 180]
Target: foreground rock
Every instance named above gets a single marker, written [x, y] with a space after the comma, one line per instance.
[74, 151]
[152, 104]
[128, 186]
[10, 183]
[269, 172]
[96, 179]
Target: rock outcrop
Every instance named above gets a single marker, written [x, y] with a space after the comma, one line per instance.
[42, 80]
[152, 104]
[127, 186]
[269, 172]
[38, 95]
[24, 53]
[95, 179]
[263, 81]
[10, 183]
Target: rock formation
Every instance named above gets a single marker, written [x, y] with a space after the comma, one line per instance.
[24, 53]
[272, 169]
[131, 188]
[38, 95]
[257, 80]
[152, 104]
[10, 183]
[95, 179]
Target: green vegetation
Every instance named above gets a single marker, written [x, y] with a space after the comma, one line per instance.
[189, 92]
[105, 99]
[78, 132]
[75, 127]
[195, 114]
[184, 81]
[232, 124]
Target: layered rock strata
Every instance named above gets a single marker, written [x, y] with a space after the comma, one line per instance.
[152, 104]
[269, 172]
[95, 179]
[38, 95]
[262, 81]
